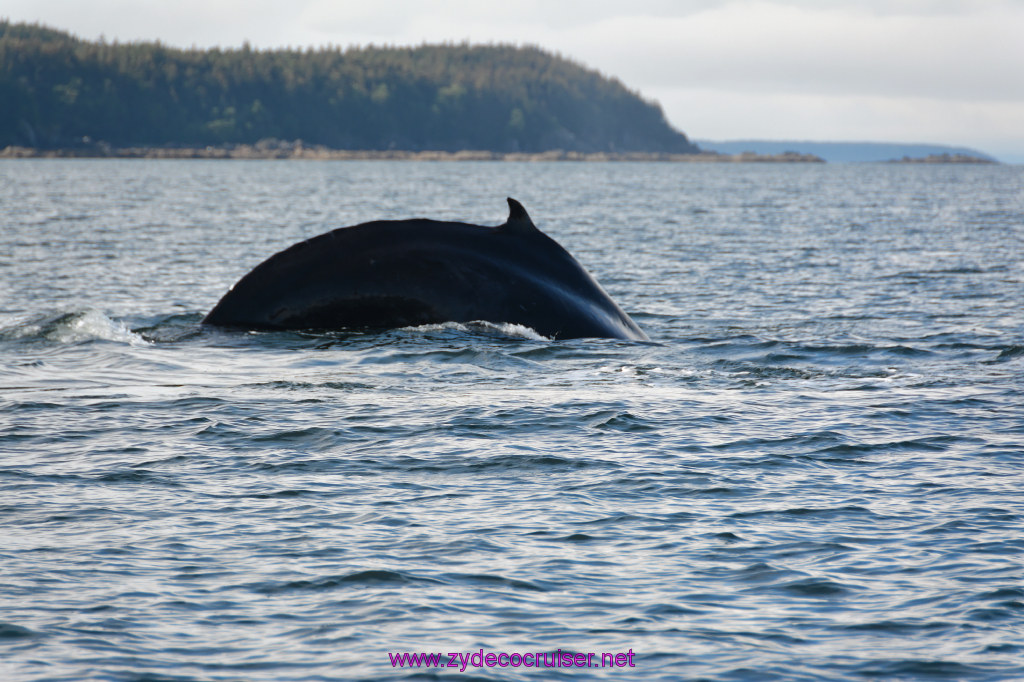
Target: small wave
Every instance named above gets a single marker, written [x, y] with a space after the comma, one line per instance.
[496, 581]
[366, 578]
[12, 631]
[616, 420]
[824, 512]
[281, 384]
[918, 669]
[1007, 354]
[141, 476]
[71, 328]
[898, 627]
[814, 587]
[673, 610]
[995, 614]
[172, 328]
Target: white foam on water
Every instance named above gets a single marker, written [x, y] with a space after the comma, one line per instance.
[518, 331]
[88, 325]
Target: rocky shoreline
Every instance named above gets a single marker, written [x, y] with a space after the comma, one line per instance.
[299, 151]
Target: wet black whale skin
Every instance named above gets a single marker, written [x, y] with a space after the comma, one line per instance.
[399, 273]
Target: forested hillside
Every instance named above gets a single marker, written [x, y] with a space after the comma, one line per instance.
[60, 91]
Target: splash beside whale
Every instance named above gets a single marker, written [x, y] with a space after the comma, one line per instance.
[401, 273]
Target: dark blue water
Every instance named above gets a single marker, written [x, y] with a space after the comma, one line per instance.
[814, 471]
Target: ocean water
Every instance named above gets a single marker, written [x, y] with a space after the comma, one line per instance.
[814, 470]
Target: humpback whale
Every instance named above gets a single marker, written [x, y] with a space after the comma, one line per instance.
[399, 273]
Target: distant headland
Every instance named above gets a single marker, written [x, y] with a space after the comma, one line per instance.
[76, 97]
[854, 152]
[275, 149]
[945, 158]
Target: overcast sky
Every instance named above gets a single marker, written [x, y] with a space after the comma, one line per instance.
[942, 71]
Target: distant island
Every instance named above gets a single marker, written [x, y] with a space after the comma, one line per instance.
[851, 152]
[63, 96]
[944, 158]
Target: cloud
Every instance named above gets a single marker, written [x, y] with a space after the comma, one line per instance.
[826, 49]
[183, 23]
[445, 19]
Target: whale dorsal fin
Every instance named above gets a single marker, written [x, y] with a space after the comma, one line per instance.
[518, 219]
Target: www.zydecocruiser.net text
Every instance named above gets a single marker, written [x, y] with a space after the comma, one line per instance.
[515, 659]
